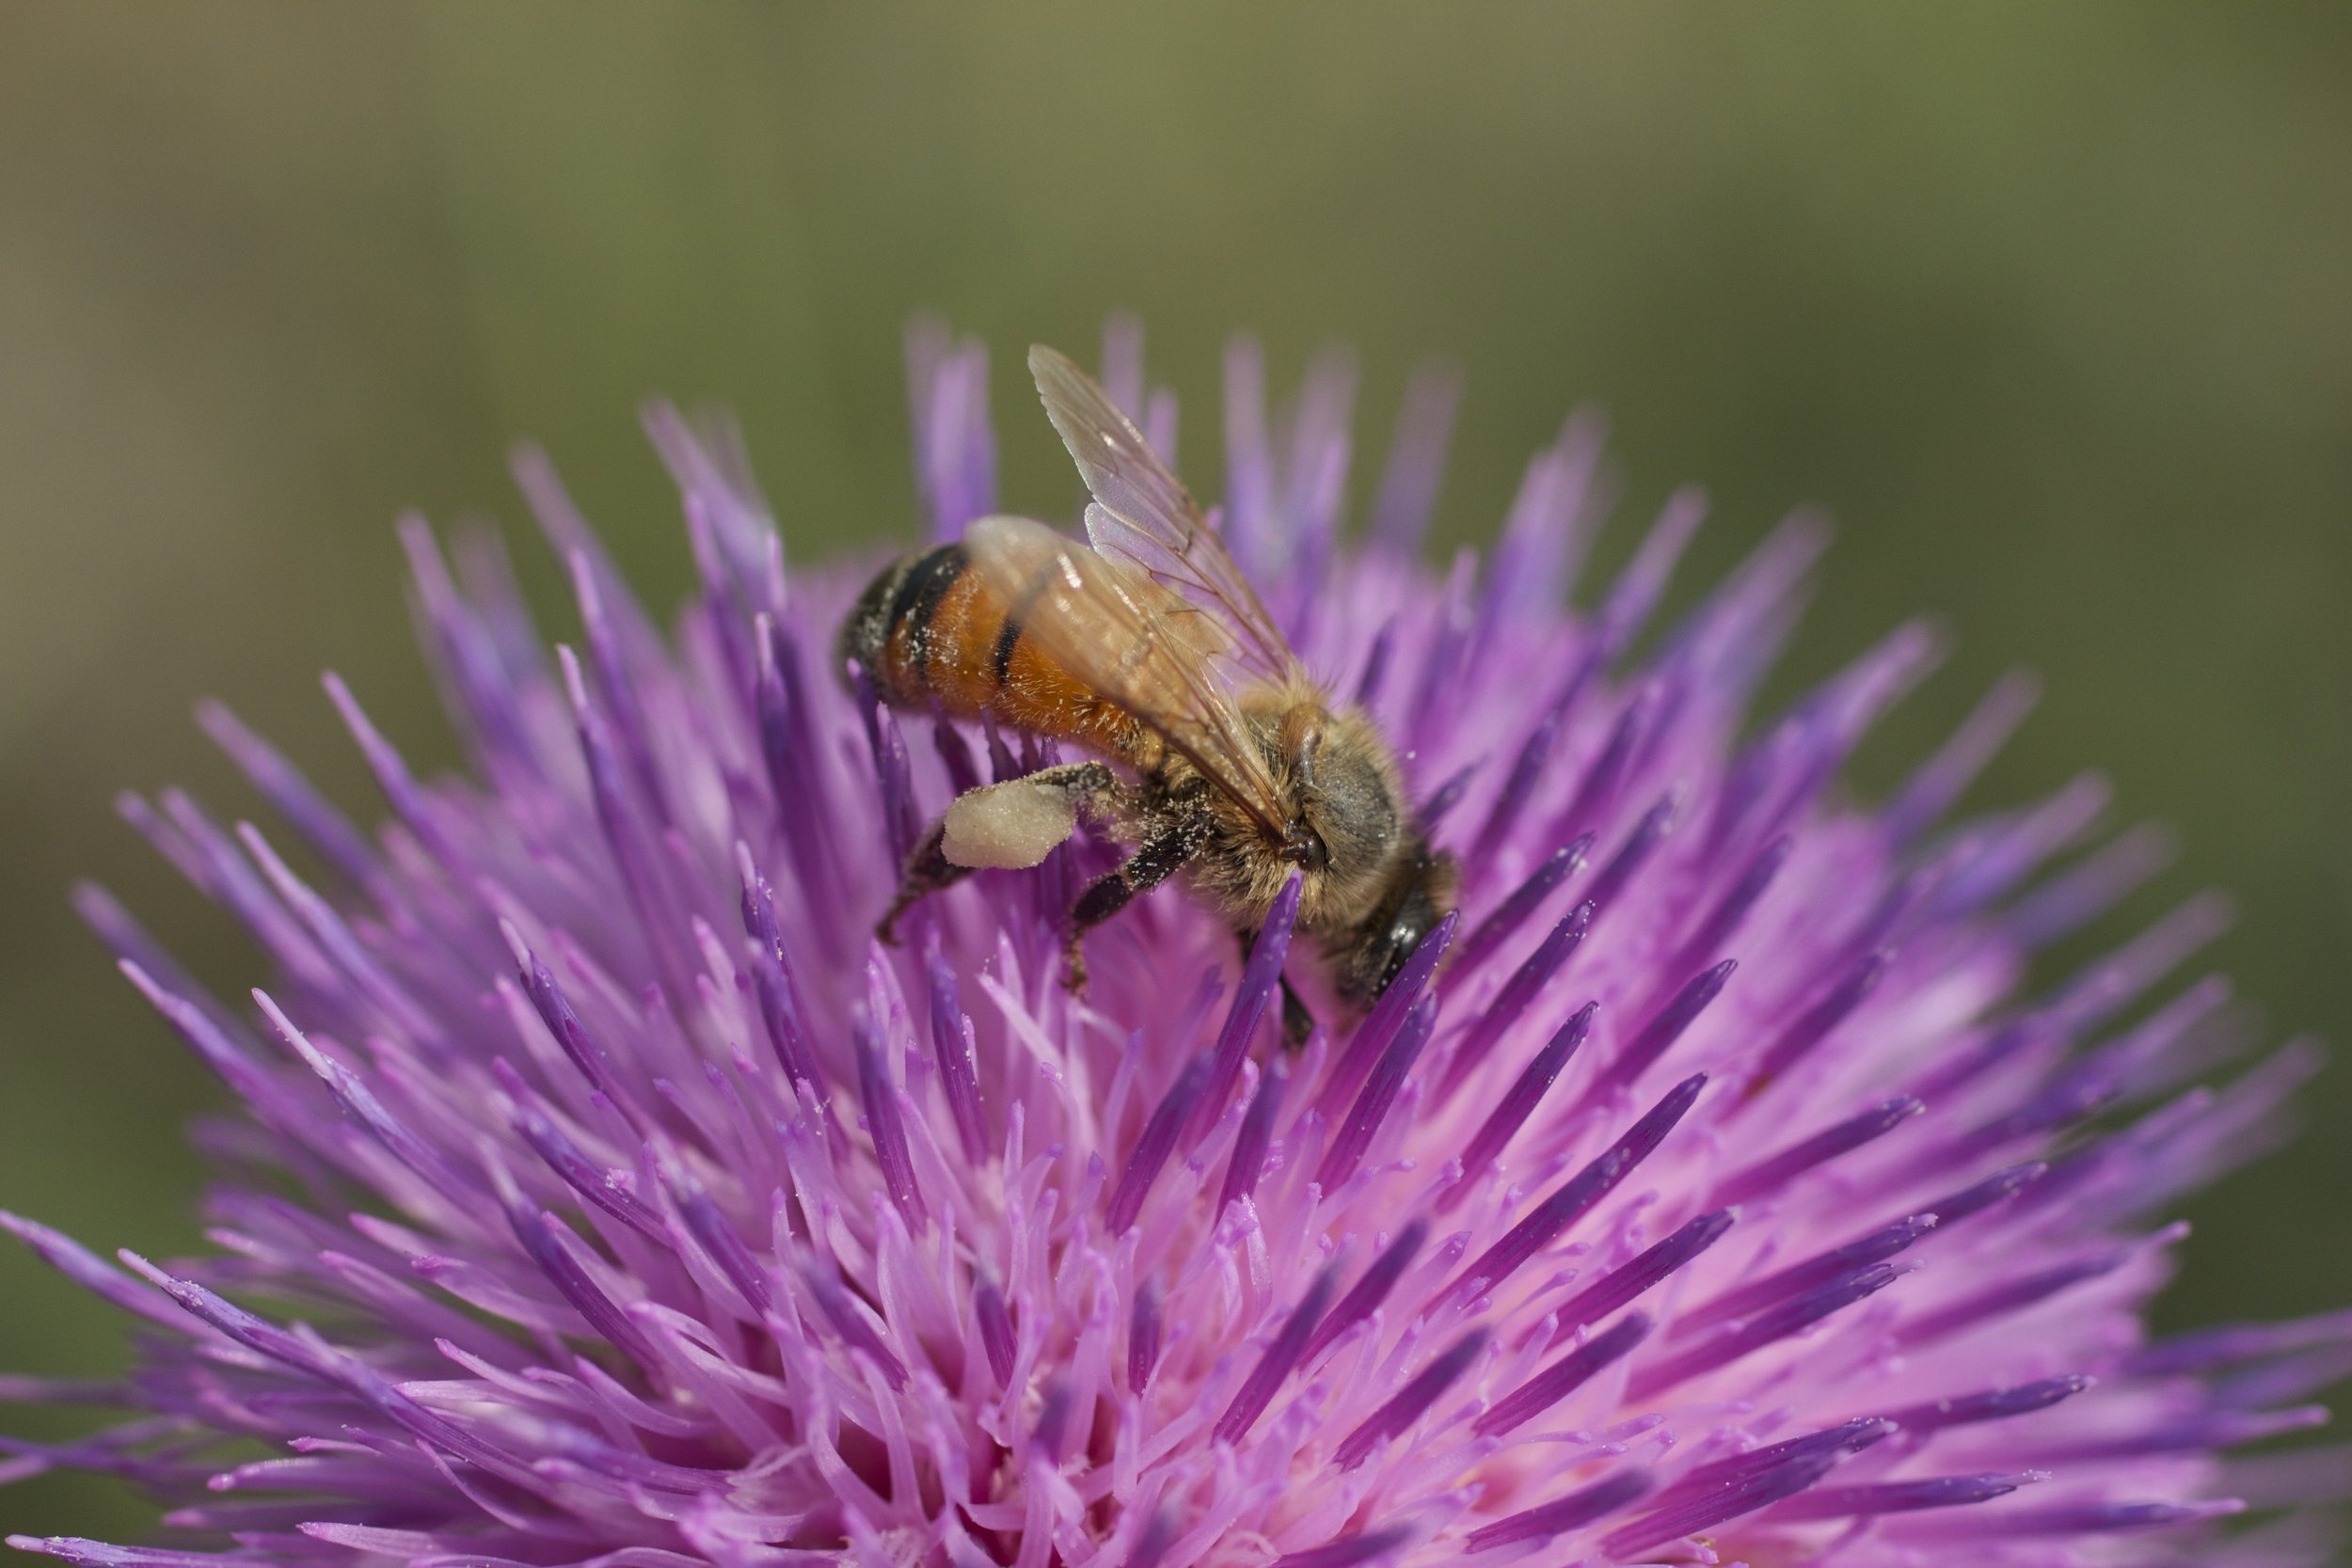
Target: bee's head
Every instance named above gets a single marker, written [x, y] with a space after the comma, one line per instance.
[1371, 887]
[1341, 817]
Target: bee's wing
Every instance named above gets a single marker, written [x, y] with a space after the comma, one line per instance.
[1145, 518]
[1132, 643]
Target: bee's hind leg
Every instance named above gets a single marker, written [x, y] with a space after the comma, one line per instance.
[928, 871]
[1163, 853]
[1091, 787]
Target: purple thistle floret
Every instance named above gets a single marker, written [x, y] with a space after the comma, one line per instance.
[602, 1193]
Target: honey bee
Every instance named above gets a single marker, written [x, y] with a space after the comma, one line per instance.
[1216, 756]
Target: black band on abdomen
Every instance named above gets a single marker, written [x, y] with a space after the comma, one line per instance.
[917, 600]
[1008, 638]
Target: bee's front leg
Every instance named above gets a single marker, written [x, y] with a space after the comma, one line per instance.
[1169, 842]
[1297, 1022]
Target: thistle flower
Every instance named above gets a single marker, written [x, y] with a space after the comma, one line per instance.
[1707, 1191]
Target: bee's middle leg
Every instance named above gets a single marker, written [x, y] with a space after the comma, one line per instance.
[1162, 854]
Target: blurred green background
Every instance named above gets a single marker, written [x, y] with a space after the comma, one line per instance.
[2050, 305]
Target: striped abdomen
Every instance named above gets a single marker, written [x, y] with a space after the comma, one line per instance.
[932, 634]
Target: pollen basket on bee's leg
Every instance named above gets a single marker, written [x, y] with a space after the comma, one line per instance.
[1009, 825]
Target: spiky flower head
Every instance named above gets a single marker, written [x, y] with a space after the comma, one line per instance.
[1707, 1191]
